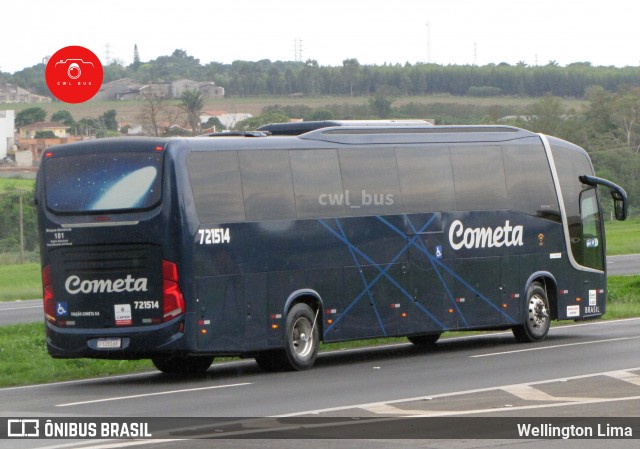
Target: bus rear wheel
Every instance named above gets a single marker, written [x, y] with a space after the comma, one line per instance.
[302, 339]
[537, 320]
[183, 365]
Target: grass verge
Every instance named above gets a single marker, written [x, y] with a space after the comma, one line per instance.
[11, 184]
[20, 282]
[24, 359]
[623, 237]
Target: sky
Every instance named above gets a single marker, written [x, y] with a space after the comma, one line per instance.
[328, 31]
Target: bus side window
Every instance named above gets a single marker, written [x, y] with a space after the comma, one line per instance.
[370, 179]
[529, 182]
[317, 183]
[267, 185]
[215, 180]
[426, 180]
[478, 174]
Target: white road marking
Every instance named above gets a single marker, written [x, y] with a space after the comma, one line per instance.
[374, 405]
[158, 393]
[429, 413]
[626, 376]
[528, 393]
[542, 348]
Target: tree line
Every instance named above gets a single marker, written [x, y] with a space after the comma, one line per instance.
[265, 77]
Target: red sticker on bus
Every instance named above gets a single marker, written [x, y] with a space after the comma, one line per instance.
[74, 74]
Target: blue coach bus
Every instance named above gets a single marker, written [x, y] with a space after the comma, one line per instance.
[266, 244]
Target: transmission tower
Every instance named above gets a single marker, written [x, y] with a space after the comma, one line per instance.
[107, 53]
[297, 50]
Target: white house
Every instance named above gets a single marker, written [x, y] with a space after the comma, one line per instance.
[7, 125]
[228, 120]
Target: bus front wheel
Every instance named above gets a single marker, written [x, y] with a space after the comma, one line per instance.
[537, 319]
[182, 365]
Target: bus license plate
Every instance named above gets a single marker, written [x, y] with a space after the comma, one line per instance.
[109, 343]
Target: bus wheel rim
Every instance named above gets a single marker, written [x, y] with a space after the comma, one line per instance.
[301, 337]
[537, 311]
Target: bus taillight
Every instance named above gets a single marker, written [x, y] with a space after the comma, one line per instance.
[47, 291]
[173, 301]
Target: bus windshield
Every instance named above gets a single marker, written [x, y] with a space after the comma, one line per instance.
[102, 182]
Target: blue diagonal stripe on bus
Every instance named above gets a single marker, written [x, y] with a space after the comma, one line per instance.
[367, 287]
[435, 269]
[448, 270]
[383, 272]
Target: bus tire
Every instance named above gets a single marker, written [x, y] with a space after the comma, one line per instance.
[301, 343]
[425, 340]
[537, 320]
[302, 338]
[183, 365]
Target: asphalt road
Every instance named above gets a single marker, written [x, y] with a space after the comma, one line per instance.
[17, 312]
[627, 264]
[30, 311]
[590, 369]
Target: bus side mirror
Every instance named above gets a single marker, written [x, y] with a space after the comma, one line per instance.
[620, 203]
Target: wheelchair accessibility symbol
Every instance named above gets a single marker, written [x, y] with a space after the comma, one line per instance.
[439, 251]
[61, 309]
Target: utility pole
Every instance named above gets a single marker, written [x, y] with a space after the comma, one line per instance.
[21, 228]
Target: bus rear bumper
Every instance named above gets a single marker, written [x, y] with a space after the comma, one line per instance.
[117, 343]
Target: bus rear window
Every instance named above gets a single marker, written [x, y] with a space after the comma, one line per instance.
[103, 182]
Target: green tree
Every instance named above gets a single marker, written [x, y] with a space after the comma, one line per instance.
[350, 68]
[136, 58]
[191, 102]
[63, 117]
[383, 99]
[10, 219]
[546, 116]
[626, 114]
[88, 126]
[109, 121]
[214, 121]
[311, 69]
[30, 115]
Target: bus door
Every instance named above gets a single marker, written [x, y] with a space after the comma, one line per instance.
[591, 254]
[592, 245]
